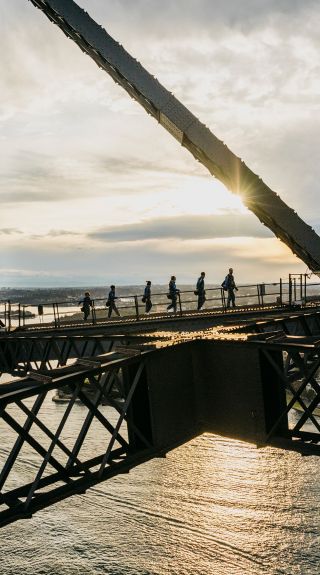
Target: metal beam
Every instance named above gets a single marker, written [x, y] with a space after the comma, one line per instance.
[185, 127]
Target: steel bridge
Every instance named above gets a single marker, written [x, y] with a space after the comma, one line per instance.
[139, 393]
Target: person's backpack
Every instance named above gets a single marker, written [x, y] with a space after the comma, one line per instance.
[224, 284]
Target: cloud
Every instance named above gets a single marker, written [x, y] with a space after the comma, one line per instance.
[55, 234]
[132, 263]
[33, 176]
[189, 16]
[185, 227]
[9, 231]
[249, 70]
[58, 233]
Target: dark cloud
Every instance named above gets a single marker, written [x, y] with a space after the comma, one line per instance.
[9, 231]
[54, 234]
[185, 227]
[58, 233]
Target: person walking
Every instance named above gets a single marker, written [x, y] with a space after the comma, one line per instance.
[173, 293]
[86, 305]
[229, 285]
[201, 293]
[111, 301]
[147, 296]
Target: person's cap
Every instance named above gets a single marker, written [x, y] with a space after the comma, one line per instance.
[112, 286]
[148, 281]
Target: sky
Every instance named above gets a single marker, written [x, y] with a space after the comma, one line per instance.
[93, 191]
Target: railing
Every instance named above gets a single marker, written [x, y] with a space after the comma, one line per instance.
[295, 292]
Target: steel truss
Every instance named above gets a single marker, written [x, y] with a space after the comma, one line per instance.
[87, 442]
[63, 466]
[303, 324]
[20, 354]
[298, 375]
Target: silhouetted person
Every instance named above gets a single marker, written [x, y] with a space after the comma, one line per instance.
[173, 293]
[111, 299]
[201, 291]
[86, 305]
[230, 285]
[147, 296]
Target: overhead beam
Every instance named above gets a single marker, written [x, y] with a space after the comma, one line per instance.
[186, 128]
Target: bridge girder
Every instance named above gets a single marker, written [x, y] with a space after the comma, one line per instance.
[186, 128]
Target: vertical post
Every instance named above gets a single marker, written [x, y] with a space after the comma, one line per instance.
[305, 289]
[290, 290]
[136, 303]
[179, 298]
[54, 314]
[295, 288]
[19, 314]
[57, 308]
[223, 299]
[93, 313]
[262, 293]
[9, 315]
[280, 291]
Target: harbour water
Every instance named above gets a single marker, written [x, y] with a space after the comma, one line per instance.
[214, 506]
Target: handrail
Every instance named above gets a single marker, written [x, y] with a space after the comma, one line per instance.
[60, 313]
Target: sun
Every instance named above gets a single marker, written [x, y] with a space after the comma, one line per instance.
[196, 195]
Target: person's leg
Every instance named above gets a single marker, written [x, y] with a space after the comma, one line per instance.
[110, 310]
[200, 301]
[116, 309]
[233, 299]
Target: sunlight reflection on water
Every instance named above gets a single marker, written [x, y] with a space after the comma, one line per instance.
[213, 506]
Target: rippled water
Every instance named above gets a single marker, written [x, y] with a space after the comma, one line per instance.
[214, 506]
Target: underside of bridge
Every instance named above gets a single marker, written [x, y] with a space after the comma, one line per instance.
[146, 394]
